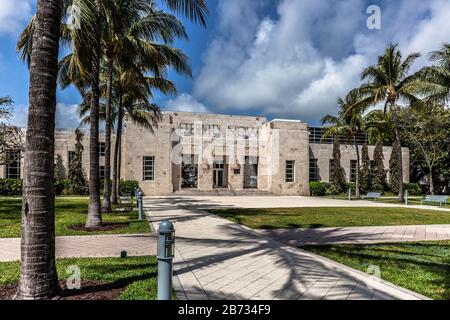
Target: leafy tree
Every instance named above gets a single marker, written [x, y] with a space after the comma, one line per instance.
[337, 179]
[389, 83]
[11, 137]
[365, 170]
[77, 177]
[394, 168]
[427, 133]
[38, 275]
[378, 171]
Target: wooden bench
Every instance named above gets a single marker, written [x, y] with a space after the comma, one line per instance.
[372, 195]
[435, 199]
[125, 199]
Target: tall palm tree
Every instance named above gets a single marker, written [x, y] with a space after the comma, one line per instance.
[348, 123]
[38, 276]
[390, 84]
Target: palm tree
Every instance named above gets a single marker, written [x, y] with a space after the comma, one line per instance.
[389, 83]
[38, 276]
[348, 123]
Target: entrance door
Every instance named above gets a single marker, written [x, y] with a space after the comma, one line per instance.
[251, 173]
[189, 172]
[219, 174]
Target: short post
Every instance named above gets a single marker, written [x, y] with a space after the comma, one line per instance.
[350, 194]
[139, 201]
[136, 196]
[166, 253]
[406, 197]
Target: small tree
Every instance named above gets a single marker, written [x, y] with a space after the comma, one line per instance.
[337, 179]
[394, 168]
[77, 176]
[378, 172]
[365, 170]
[11, 137]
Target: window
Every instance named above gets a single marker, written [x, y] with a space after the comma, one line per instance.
[353, 168]
[331, 168]
[149, 169]
[316, 136]
[102, 172]
[290, 170]
[102, 149]
[71, 156]
[313, 170]
[13, 164]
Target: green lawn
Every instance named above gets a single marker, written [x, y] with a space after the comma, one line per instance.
[137, 275]
[421, 267]
[332, 217]
[69, 211]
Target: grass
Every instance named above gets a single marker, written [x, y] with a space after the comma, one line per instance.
[137, 274]
[421, 267]
[69, 211]
[289, 218]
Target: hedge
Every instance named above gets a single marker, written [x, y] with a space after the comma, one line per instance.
[10, 187]
[318, 188]
[128, 186]
[414, 189]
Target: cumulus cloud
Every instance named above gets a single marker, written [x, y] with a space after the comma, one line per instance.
[66, 116]
[185, 102]
[298, 62]
[14, 15]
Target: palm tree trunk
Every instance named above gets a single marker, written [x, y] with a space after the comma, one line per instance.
[38, 276]
[116, 167]
[119, 159]
[106, 207]
[401, 196]
[358, 164]
[94, 218]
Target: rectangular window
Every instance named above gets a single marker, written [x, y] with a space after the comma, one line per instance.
[71, 156]
[149, 169]
[313, 170]
[290, 171]
[12, 164]
[102, 172]
[353, 168]
[331, 168]
[102, 149]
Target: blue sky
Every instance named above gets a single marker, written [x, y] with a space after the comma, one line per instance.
[276, 58]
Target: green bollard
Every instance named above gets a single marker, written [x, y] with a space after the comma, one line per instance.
[166, 253]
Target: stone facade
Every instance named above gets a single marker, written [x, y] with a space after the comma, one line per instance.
[205, 152]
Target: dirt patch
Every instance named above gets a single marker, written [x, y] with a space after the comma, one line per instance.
[90, 290]
[104, 227]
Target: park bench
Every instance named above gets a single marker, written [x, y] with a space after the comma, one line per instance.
[372, 195]
[435, 199]
[125, 199]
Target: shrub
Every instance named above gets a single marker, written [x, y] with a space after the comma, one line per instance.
[128, 186]
[62, 187]
[414, 189]
[10, 187]
[318, 188]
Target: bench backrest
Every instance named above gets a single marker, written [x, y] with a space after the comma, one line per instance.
[373, 195]
[126, 198]
[431, 198]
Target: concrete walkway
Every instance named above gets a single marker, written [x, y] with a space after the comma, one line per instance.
[219, 259]
[100, 246]
[359, 235]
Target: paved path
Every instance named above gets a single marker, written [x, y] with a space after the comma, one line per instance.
[88, 246]
[359, 235]
[219, 259]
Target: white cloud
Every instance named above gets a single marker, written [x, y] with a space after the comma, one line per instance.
[66, 116]
[185, 102]
[14, 15]
[298, 63]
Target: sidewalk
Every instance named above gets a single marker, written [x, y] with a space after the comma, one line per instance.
[219, 259]
[100, 246]
[359, 235]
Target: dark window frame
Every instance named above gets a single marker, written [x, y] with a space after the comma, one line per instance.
[148, 168]
[289, 171]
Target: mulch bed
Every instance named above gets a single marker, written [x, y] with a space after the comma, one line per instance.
[90, 290]
[104, 227]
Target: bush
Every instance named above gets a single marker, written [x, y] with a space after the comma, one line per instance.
[128, 186]
[414, 189]
[10, 187]
[62, 187]
[319, 188]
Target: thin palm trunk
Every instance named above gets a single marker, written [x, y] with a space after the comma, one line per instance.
[116, 168]
[401, 196]
[38, 276]
[94, 218]
[107, 181]
[358, 165]
[119, 158]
